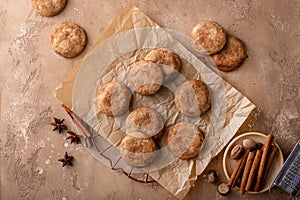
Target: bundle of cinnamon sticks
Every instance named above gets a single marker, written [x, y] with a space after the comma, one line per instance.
[251, 171]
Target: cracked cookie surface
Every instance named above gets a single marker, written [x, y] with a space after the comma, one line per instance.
[48, 8]
[68, 39]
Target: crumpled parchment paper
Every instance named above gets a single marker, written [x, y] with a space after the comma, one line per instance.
[131, 35]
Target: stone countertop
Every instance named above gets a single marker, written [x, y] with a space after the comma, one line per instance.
[30, 71]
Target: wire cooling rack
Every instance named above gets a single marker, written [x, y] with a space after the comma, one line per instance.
[104, 151]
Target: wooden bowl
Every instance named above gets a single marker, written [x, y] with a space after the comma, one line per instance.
[229, 163]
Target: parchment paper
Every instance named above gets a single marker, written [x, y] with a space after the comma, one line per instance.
[129, 38]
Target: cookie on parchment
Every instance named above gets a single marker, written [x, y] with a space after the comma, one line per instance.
[68, 39]
[168, 60]
[145, 122]
[113, 98]
[192, 98]
[231, 56]
[48, 8]
[185, 140]
[208, 37]
[138, 152]
[145, 77]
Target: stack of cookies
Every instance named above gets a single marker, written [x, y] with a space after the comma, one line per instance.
[226, 51]
[145, 127]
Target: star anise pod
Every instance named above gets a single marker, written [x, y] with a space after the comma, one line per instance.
[66, 160]
[58, 125]
[73, 137]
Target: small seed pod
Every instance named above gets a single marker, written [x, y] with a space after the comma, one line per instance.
[211, 176]
[223, 189]
[259, 145]
[237, 152]
[249, 144]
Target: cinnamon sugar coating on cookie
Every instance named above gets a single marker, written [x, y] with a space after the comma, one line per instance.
[145, 77]
[185, 140]
[168, 60]
[68, 39]
[208, 37]
[138, 152]
[113, 98]
[231, 56]
[48, 8]
[146, 122]
[192, 98]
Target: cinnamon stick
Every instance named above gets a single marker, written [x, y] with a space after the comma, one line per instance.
[253, 171]
[76, 121]
[273, 152]
[238, 170]
[246, 172]
[262, 164]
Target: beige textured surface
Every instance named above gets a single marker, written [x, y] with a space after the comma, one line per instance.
[30, 70]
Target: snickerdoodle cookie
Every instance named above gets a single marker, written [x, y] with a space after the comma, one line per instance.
[208, 37]
[68, 39]
[192, 98]
[145, 122]
[168, 60]
[48, 8]
[185, 140]
[145, 77]
[231, 56]
[113, 98]
[138, 152]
